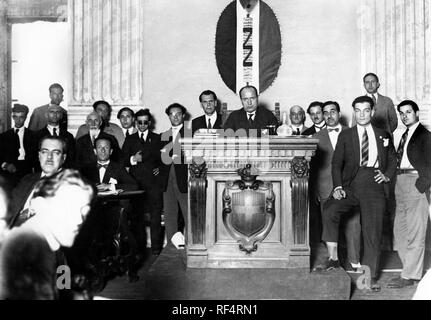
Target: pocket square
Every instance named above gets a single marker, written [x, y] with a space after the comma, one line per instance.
[113, 181]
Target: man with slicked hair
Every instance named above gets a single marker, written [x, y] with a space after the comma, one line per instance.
[211, 119]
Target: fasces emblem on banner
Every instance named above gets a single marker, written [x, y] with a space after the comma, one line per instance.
[248, 45]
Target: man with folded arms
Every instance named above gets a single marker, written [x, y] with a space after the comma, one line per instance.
[412, 194]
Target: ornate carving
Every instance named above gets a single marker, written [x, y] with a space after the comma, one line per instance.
[299, 167]
[248, 209]
[299, 184]
[197, 194]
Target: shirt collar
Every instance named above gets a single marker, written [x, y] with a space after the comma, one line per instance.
[413, 127]
[50, 128]
[213, 117]
[177, 128]
[321, 125]
[103, 163]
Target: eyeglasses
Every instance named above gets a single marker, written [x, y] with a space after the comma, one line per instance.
[143, 122]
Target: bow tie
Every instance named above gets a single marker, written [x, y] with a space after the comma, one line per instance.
[336, 129]
[102, 166]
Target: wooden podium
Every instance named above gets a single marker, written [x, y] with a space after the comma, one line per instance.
[274, 237]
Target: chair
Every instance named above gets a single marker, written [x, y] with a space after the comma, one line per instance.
[225, 112]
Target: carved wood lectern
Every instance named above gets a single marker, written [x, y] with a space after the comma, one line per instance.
[248, 201]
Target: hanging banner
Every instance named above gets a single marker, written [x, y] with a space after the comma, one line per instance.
[248, 45]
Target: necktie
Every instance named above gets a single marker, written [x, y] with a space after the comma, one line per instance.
[209, 124]
[250, 120]
[364, 149]
[142, 137]
[54, 130]
[297, 133]
[17, 139]
[336, 130]
[374, 99]
[127, 133]
[400, 149]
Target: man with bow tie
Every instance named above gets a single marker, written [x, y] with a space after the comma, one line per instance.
[18, 147]
[321, 178]
[315, 111]
[364, 160]
[85, 145]
[141, 152]
[412, 193]
[103, 222]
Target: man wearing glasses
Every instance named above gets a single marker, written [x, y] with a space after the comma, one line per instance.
[211, 119]
[141, 152]
[52, 155]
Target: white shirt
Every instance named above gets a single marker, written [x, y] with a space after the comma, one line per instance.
[372, 146]
[51, 129]
[376, 96]
[21, 143]
[145, 133]
[130, 130]
[253, 115]
[301, 127]
[405, 163]
[175, 131]
[333, 135]
[213, 119]
[320, 127]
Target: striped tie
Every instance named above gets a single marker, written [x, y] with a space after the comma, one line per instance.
[400, 149]
[364, 149]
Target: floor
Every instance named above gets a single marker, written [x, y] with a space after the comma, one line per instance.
[121, 288]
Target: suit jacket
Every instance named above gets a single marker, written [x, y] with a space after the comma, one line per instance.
[38, 119]
[418, 153]
[238, 120]
[66, 135]
[85, 150]
[201, 123]
[385, 116]
[143, 171]
[115, 171]
[168, 150]
[310, 131]
[20, 194]
[112, 129]
[321, 175]
[9, 146]
[346, 158]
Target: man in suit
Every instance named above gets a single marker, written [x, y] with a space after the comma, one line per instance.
[297, 120]
[127, 121]
[316, 115]
[85, 147]
[251, 117]
[211, 119]
[141, 152]
[52, 155]
[31, 254]
[363, 161]
[53, 128]
[38, 118]
[412, 193]
[385, 116]
[322, 182]
[104, 109]
[173, 173]
[18, 147]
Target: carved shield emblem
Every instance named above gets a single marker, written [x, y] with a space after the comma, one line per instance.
[248, 209]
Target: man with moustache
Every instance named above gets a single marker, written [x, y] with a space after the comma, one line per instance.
[211, 119]
[321, 172]
[316, 115]
[412, 194]
[364, 160]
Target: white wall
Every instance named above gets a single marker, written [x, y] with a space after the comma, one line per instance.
[320, 60]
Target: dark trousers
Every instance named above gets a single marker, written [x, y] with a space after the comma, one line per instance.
[369, 196]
